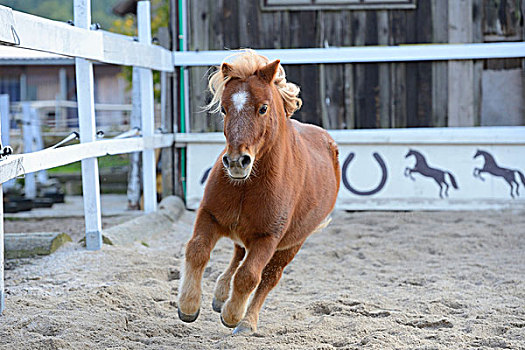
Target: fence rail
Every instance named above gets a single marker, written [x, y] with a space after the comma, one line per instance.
[20, 164]
[365, 54]
[37, 33]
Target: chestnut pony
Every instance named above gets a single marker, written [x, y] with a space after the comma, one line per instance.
[274, 184]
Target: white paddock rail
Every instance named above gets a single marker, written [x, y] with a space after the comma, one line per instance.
[86, 45]
[365, 54]
[41, 34]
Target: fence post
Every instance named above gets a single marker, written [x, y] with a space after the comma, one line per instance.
[4, 114]
[5, 126]
[134, 166]
[27, 131]
[87, 126]
[2, 117]
[38, 144]
[61, 113]
[147, 111]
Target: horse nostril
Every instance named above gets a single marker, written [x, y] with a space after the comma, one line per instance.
[245, 161]
[226, 161]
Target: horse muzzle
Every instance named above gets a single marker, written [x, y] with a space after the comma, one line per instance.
[238, 168]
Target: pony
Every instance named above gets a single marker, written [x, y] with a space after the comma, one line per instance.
[424, 169]
[491, 167]
[273, 185]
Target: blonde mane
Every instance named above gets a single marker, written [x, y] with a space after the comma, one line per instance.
[245, 64]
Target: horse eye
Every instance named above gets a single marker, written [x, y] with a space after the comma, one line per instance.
[223, 111]
[263, 109]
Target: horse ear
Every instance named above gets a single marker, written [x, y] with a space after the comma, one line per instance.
[226, 69]
[268, 72]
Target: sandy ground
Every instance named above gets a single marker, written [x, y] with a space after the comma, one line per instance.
[372, 280]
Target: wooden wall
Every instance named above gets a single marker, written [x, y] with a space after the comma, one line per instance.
[347, 96]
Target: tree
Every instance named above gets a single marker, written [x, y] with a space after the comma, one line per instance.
[128, 26]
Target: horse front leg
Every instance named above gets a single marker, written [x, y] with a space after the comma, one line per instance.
[271, 275]
[408, 173]
[477, 173]
[222, 287]
[247, 278]
[198, 249]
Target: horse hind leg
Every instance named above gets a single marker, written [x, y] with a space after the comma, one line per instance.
[222, 287]
[271, 275]
[446, 189]
[511, 189]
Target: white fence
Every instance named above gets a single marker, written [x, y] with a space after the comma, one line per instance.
[86, 45]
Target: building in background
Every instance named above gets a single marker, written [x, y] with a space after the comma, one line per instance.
[385, 95]
[27, 75]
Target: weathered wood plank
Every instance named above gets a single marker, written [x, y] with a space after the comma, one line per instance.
[424, 69]
[411, 71]
[359, 23]
[460, 74]
[398, 73]
[383, 32]
[419, 91]
[348, 74]
[198, 39]
[309, 74]
[26, 245]
[439, 69]
[477, 37]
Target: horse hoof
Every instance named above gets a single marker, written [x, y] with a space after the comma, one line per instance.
[227, 325]
[188, 318]
[243, 329]
[217, 305]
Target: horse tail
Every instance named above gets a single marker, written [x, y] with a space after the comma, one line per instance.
[521, 176]
[453, 180]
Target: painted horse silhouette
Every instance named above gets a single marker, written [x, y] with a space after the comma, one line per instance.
[424, 169]
[491, 167]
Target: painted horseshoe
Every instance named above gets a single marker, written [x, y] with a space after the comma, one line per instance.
[379, 187]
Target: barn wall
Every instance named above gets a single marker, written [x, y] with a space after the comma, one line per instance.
[347, 96]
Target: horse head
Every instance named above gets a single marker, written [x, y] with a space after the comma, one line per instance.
[254, 98]
[251, 117]
[412, 152]
[479, 153]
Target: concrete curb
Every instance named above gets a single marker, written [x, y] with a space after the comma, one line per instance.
[27, 245]
[146, 227]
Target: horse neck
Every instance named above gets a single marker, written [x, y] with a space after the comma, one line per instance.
[488, 158]
[420, 159]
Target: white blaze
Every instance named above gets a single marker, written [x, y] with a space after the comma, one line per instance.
[239, 99]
